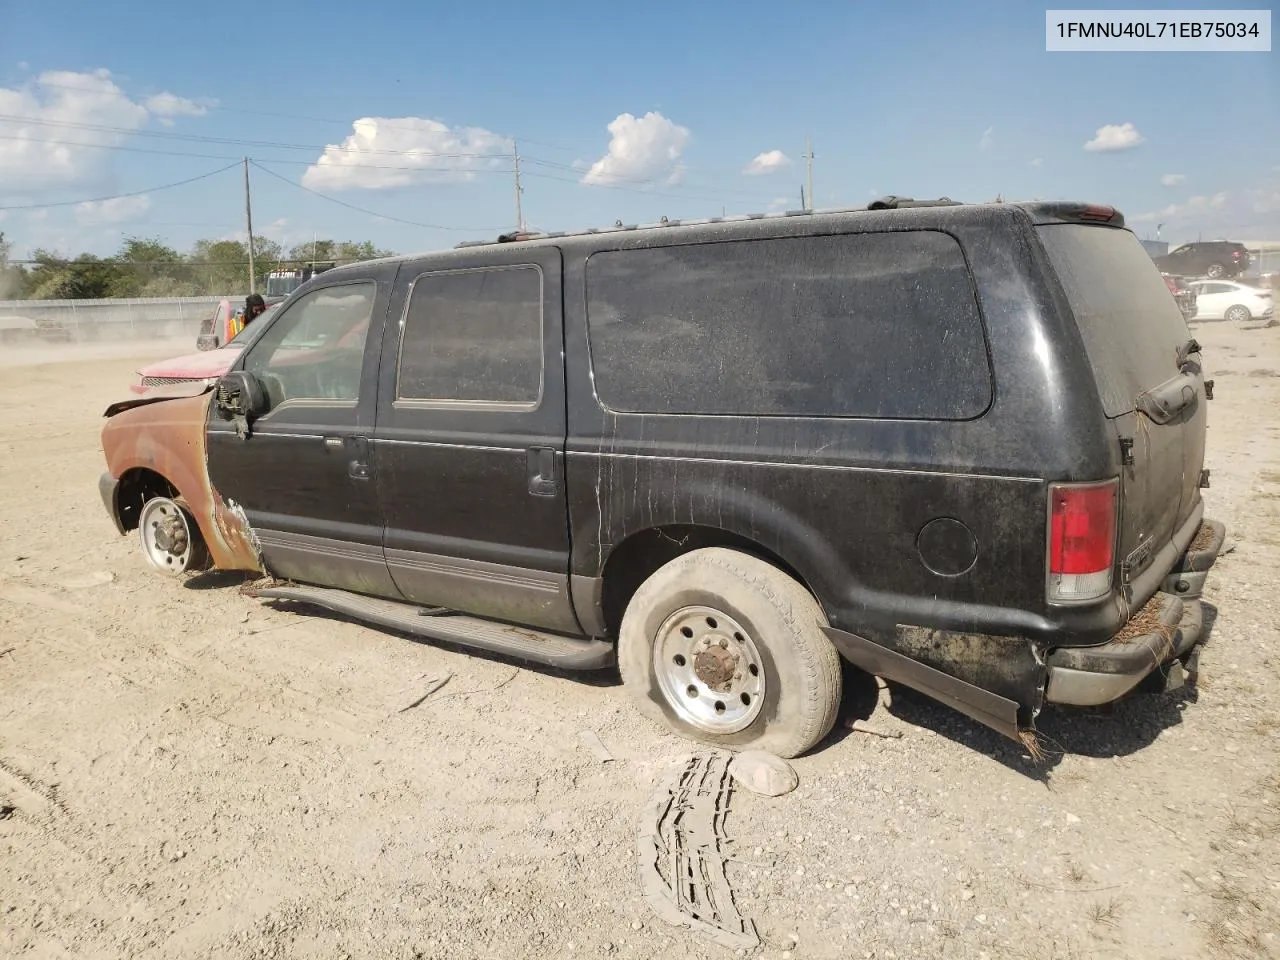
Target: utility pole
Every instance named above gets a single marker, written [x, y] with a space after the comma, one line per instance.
[515, 153]
[248, 220]
[808, 176]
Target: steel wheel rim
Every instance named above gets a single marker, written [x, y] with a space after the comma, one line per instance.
[1237, 314]
[159, 525]
[709, 670]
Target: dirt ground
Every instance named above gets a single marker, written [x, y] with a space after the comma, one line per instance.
[185, 772]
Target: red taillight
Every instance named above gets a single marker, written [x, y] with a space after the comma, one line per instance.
[1082, 537]
[1097, 213]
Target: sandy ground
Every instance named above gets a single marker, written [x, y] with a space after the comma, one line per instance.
[185, 772]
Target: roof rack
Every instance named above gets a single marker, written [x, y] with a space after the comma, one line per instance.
[884, 203]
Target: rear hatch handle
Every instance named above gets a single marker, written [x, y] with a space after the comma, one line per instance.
[1163, 403]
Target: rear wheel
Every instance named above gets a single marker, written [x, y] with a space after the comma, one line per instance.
[171, 540]
[728, 650]
[1215, 270]
[1239, 313]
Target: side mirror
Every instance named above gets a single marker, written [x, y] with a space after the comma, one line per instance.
[240, 396]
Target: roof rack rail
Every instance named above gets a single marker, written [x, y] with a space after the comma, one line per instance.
[898, 203]
[884, 203]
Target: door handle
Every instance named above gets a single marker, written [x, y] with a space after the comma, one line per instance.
[543, 475]
[357, 449]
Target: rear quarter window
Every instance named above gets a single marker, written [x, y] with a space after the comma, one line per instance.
[871, 325]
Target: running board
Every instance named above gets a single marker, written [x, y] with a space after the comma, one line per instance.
[524, 643]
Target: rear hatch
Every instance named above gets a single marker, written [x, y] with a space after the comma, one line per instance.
[1137, 341]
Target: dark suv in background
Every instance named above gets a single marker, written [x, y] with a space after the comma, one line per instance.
[959, 445]
[1210, 258]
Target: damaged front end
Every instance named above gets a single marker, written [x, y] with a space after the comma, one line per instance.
[155, 445]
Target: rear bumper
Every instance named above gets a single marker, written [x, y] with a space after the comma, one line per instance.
[1165, 635]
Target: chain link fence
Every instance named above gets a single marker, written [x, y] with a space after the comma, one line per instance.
[91, 321]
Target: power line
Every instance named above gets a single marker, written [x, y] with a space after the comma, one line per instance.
[120, 196]
[240, 142]
[232, 141]
[371, 213]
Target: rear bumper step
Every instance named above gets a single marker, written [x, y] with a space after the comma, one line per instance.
[521, 643]
[1187, 577]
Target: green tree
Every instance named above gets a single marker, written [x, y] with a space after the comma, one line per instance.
[345, 251]
[13, 279]
[87, 277]
[150, 269]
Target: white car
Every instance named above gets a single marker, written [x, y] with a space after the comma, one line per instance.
[1228, 300]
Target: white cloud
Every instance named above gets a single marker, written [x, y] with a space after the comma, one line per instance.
[116, 210]
[1038, 162]
[50, 145]
[1114, 136]
[988, 138]
[770, 161]
[778, 204]
[1173, 179]
[1246, 212]
[165, 106]
[37, 216]
[644, 148]
[50, 105]
[386, 152]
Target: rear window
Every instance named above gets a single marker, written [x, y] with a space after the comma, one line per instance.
[880, 325]
[1131, 325]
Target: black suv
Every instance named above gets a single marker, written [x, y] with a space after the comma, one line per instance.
[959, 445]
[1211, 258]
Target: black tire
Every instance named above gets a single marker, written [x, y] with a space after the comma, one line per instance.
[1215, 271]
[801, 668]
[1238, 313]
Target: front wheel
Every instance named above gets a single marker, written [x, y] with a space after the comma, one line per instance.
[1239, 314]
[171, 540]
[728, 650]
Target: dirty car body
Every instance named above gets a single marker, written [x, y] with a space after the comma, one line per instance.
[974, 434]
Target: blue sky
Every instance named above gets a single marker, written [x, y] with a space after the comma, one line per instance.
[659, 107]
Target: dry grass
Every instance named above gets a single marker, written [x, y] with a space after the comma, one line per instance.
[1106, 914]
[1076, 873]
[1147, 621]
[1203, 538]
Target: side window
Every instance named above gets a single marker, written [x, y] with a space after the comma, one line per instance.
[879, 325]
[315, 349]
[473, 336]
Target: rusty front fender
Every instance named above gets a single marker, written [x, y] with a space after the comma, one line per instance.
[168, 438]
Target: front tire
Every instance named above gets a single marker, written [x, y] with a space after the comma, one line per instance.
[171, 539]
[1239, 314]
[728, 650]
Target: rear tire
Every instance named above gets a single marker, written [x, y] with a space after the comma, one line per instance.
[1215, 271]
[1239, 314]
[729, 651]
